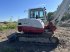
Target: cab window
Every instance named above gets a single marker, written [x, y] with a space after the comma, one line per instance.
[41, 14]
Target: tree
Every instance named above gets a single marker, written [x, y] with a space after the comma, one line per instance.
[65, 17]
[10, 20]
[50, 16]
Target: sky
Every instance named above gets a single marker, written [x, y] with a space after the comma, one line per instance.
[17, 9]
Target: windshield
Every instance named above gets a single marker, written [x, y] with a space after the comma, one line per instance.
[36, 14]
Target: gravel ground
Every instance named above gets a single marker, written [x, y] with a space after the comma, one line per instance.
[63, 34]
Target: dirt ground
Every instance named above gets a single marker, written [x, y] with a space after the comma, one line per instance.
[63, 34]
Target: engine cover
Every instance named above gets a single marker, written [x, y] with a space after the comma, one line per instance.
[31, 25]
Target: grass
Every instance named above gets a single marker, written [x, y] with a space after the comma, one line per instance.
[9, 25]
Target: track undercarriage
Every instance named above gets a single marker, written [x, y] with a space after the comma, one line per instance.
[43, 38]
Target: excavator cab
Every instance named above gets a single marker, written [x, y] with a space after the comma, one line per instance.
[38, 13]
